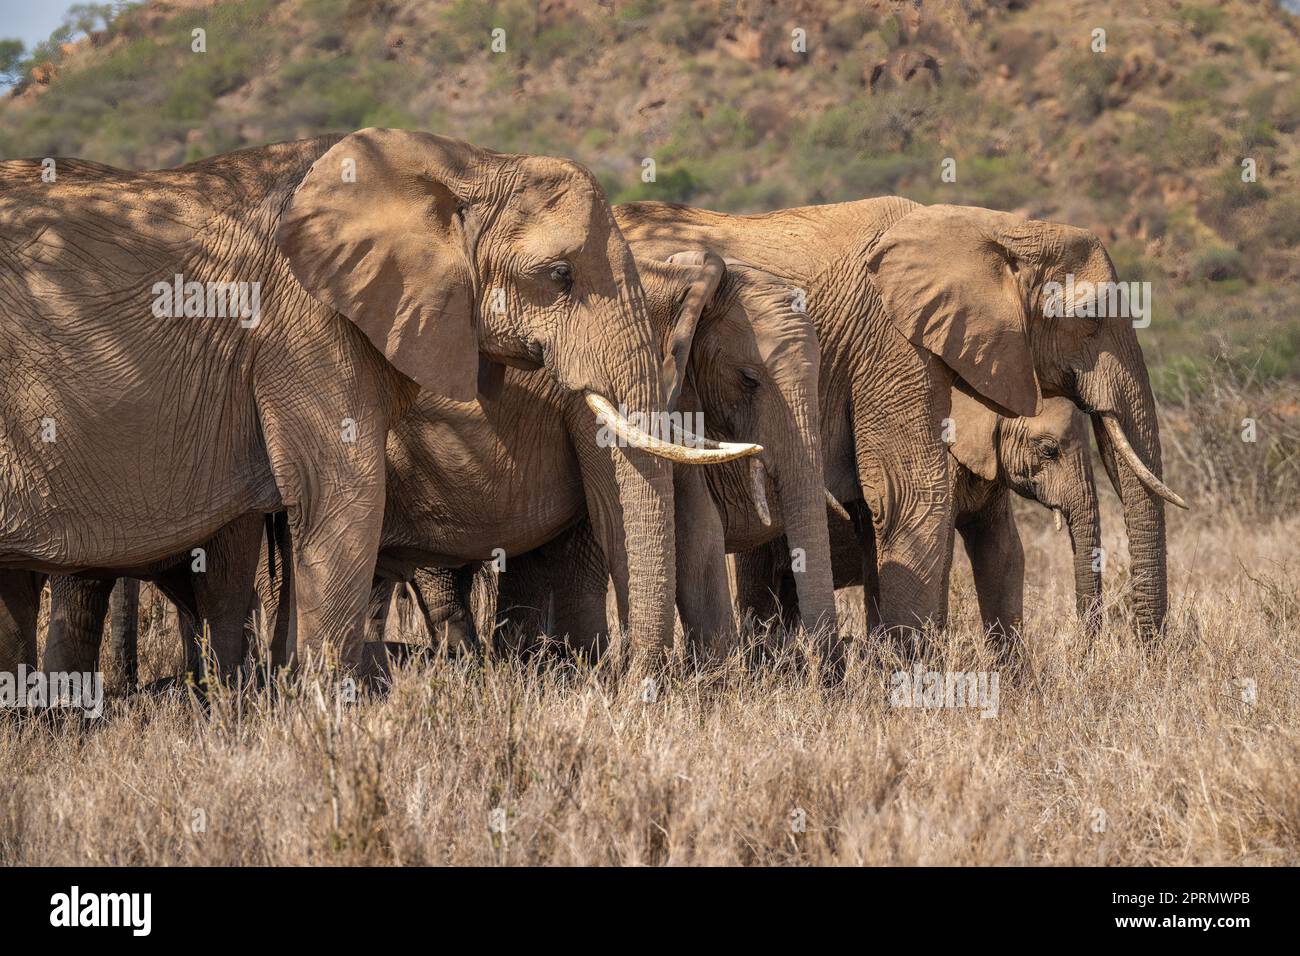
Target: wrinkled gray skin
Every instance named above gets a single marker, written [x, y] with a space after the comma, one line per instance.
[767, 396]
[909, 300]
[220, 596]
[520, 471]
[561, 587]
[169, 428]
[1045, 459]
[752, 371]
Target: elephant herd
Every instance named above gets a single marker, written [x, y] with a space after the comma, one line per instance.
[458, 355]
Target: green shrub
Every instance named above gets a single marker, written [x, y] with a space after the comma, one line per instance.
[1218, 263]
[1202, 21]
[671, 185]
[1260, 45]
[691, 30]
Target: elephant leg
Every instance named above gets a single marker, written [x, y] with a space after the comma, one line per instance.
[525, 604]
[758, 581]
[766, 591]
[381, 600]
[580, 585]
[703, 588]
[335, 546]
[20, 603]
[78, 607]
[463, 628]
[998, 564]
[906, 480]
[223, 588]
[865, 530]
[557, 590]
[275, 590]
[444, 596]
[176, 585]
[124, 628]
[769, 591]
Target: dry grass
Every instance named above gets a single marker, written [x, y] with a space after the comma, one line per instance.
[1102, 752]
[1158, 740]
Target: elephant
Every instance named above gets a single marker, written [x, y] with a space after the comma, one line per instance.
[736, 355]
[768, 397]
[238, 335]
[1046, 458]
[910, 301]
[469, 482]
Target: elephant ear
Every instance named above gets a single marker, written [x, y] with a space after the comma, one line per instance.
[948, 281]
[374, 232]
[699, 294]
[974, 435]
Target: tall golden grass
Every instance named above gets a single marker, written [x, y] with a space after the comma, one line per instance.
[1105, 751]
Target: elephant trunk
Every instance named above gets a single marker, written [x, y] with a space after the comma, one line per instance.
[645, 592]
[632, 505]
[802, 491]
[1120, 391]
[1085, 538]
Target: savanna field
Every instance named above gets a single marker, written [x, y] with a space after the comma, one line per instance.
[1104, 752]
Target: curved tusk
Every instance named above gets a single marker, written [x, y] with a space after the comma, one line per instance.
[836, 506]
[691, 440]
[1057, 520]
[1116, 434]
[758, 487]
[628, 434]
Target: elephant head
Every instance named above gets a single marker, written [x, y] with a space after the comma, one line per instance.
[454, 260]
[753, 375]
[1021, 309]
[1046, 458]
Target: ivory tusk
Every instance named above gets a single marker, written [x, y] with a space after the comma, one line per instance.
[1057, 520]
[758, 487]
[634, 437]
[836, 506]
[1116, 435]
[691, 440]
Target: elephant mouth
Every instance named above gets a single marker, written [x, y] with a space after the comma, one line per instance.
[704, 451]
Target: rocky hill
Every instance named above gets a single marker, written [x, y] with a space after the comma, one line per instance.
[1131, 117]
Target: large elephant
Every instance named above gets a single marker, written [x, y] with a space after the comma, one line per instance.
[181, 347]
[752, 371]
[911, 300]
[473, 482]
[736, 353]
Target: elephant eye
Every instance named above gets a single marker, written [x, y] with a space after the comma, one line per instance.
[562, 272]
[750, 378]
[1049, 449]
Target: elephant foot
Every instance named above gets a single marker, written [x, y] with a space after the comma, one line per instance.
[833, 652]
